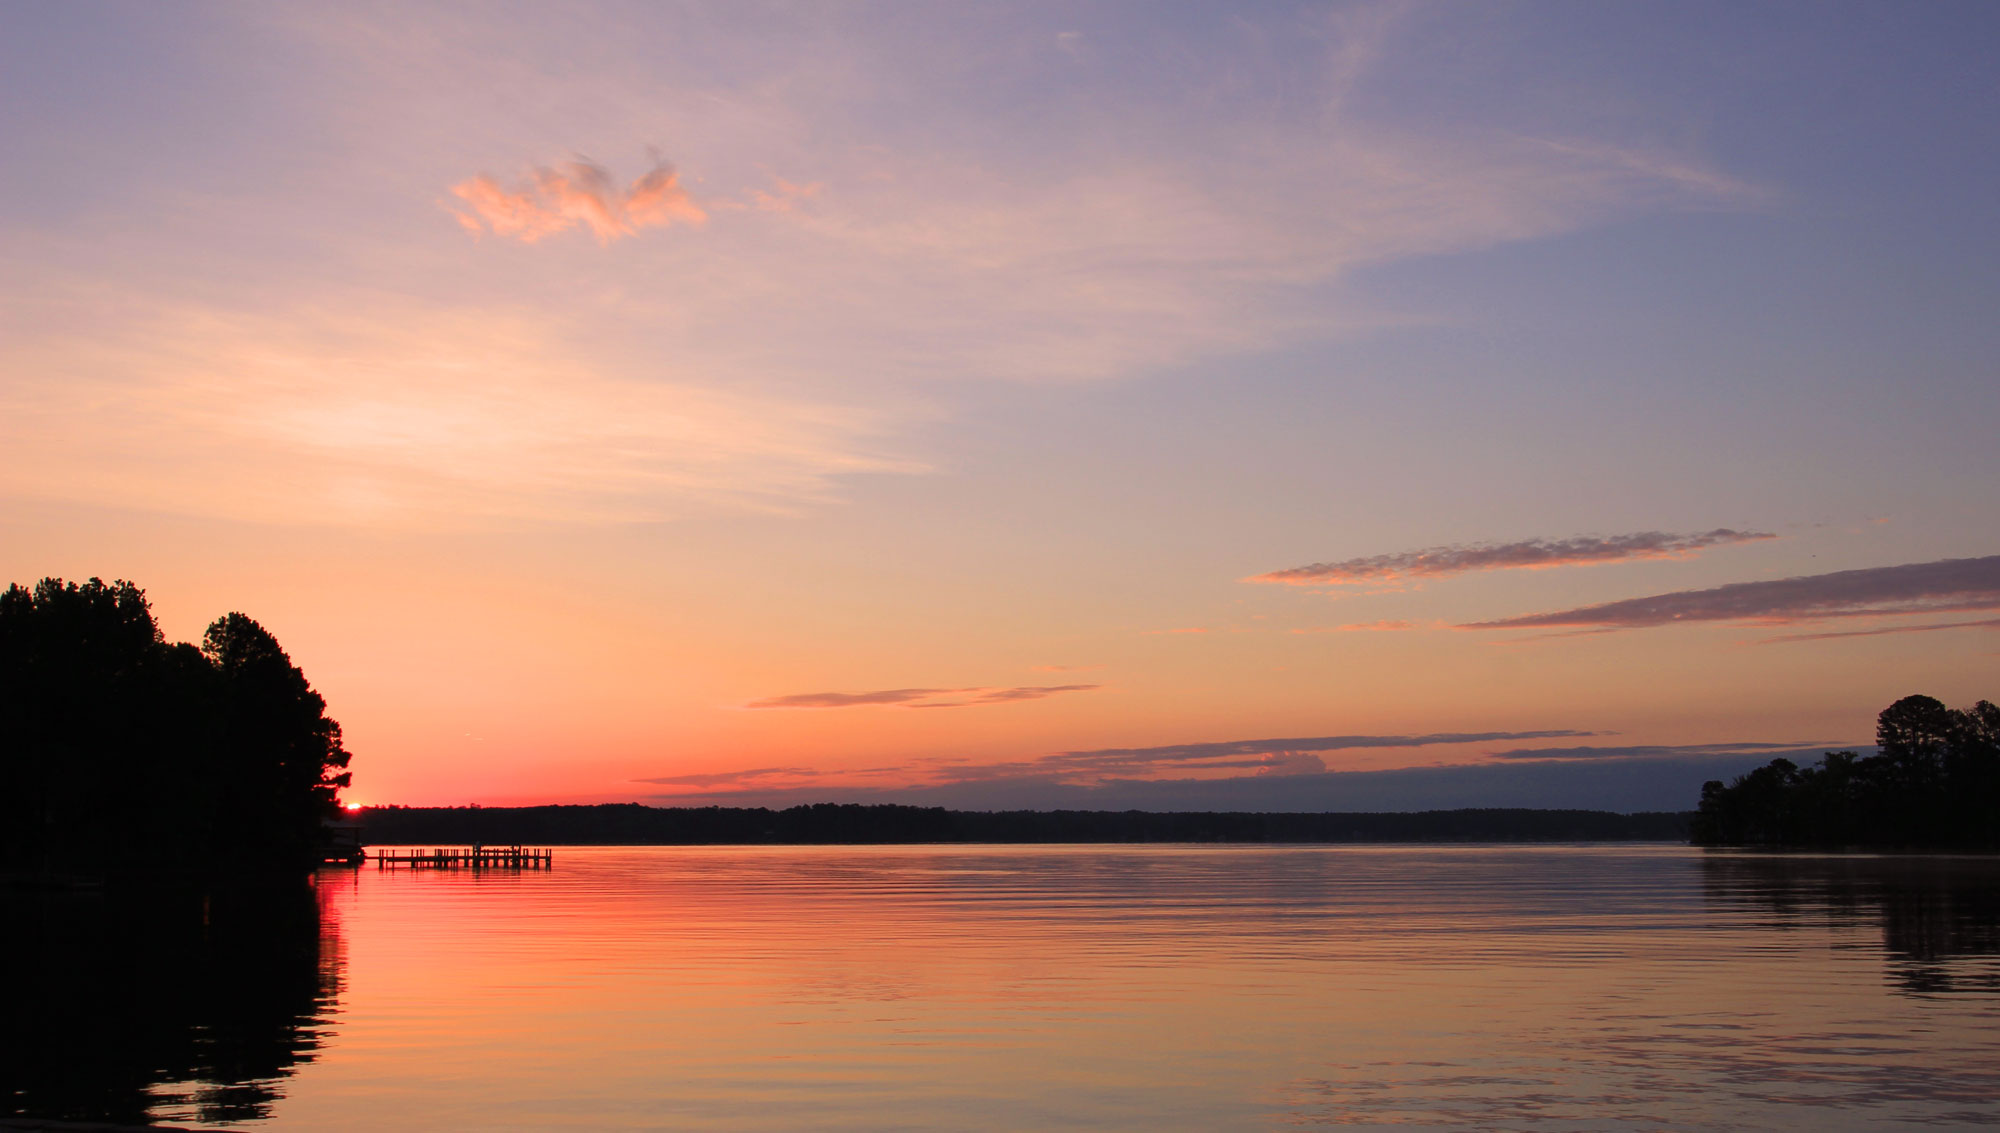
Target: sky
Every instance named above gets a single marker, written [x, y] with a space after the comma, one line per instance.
[1247, 406]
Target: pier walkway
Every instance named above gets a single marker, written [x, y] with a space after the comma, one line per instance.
[474, 857]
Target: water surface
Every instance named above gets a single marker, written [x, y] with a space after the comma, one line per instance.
[1005, 987]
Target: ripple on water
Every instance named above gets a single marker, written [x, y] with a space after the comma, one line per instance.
[1165, 987]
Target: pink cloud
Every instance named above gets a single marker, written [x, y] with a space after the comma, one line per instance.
[785, 196]
[563, 196]
[917, 697]
[657, 199]
[849, 699]
[1528, 554]
[507, 214]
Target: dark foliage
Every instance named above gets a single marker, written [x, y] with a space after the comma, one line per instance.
[121, 754]
[827, 823]
[1934, 783]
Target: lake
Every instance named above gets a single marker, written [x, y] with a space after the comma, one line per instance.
[1017, 987]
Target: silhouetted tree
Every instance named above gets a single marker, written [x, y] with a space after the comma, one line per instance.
[278, 757]
[1934, 781]
[122, 753]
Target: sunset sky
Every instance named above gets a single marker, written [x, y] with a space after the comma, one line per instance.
[1174, 406]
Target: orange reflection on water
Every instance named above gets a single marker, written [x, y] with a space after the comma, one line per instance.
[1117, 987]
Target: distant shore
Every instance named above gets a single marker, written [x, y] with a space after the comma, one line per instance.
[631, 824]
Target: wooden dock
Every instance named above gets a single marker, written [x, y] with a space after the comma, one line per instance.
[463, 857]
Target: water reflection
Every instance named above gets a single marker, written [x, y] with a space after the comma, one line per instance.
[1939, 915]
[161, 1007]
[1000, 988]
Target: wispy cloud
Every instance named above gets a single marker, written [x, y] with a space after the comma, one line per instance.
[397, 414]
[1037, 692]
[1528, 554]
[781, 349]
[733, 778]
[775, 778]
[1290, 763]
[1929, 627]
[1218, 761]
[1945, 586]
[785, 196]
[917, 697]
[1285, 755]
[1665, 751]
[555, 198]
[849, 699]
[1217, 748]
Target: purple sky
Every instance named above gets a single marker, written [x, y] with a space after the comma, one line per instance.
[616, 401]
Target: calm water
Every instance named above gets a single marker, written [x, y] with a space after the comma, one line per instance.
[1563, 987]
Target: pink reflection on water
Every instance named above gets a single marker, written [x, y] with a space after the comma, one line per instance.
[1117, 987]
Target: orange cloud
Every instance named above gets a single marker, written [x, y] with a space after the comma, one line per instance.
[657, 199]
[577, 192]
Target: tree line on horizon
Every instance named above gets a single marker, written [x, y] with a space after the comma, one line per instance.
[633, 824]
[123, 754]
[1933, 783]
